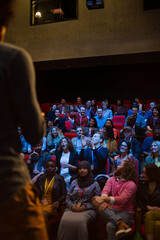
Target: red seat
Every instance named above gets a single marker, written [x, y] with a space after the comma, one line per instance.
[70, 135]
[68, 125]
[119, 119]
[118, 126]
[45, 107]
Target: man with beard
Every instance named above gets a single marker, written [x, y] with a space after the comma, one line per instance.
[116, 204]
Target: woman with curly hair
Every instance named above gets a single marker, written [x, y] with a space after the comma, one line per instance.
[116, 204]
[67, 159]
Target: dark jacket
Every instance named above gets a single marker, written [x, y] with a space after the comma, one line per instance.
[99, 158]
[73, 160]
[58, 191]
[143, 198]
[60, 123]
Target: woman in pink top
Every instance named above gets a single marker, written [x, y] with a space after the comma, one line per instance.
[116, 204]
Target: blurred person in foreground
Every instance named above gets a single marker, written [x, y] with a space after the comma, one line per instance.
[20, 214]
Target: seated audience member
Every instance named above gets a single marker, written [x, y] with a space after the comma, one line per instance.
[140, 121]
[149, 112]
[79, 208]
[140, 106]
[128, 136]
[109, 141]
[51, 114]
[52, 190]
[66, 159]
[146, 146]
[93, 108]
[101, 120]
[59, 121]
[124, 155]
[79, 104]
[54, 139]
[148, 200]
[63, 107]
[107, 113]
[77, 140]
[109, 122]
[130, 110]
[52, 193]
[37, 161]
[154, 156]
[153, 120]
[120, 108]
[88, 109]
[92, 128]
[116, 204]
[80, 119]
[25, 146]
[96, 155]
[49, 127]
[71, 110]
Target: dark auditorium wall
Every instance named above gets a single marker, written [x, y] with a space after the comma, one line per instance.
[100, 83]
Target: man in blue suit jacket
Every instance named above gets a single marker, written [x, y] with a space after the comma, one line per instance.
[95, 154]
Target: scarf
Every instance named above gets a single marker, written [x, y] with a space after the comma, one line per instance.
[87, 180]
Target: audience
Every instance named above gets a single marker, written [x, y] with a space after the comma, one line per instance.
[127, 135]
[107, 113]
[146, 146]
[63, 107]
[51, 114]
[92, 128]
[53, 139]
[120, 108]
[37, 161]
[77, 140]
[149, 112]
[93, 150]
[66, 159]
[154, 156]
[101, 120]
[59, 121]
[80, 119]
[124, 155]
[154, 119]
[148, 200]
[52, 189]
[116, 204]
[109, 141]
[79, 208]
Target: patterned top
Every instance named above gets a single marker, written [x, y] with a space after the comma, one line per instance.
[83, 195]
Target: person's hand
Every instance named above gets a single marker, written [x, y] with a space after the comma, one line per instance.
[95, 204]
[103, 206]
[90, 143]
[78, 208]
[74, 209]
[98, 200]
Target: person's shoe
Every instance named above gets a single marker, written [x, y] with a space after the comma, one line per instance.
[123, 230]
